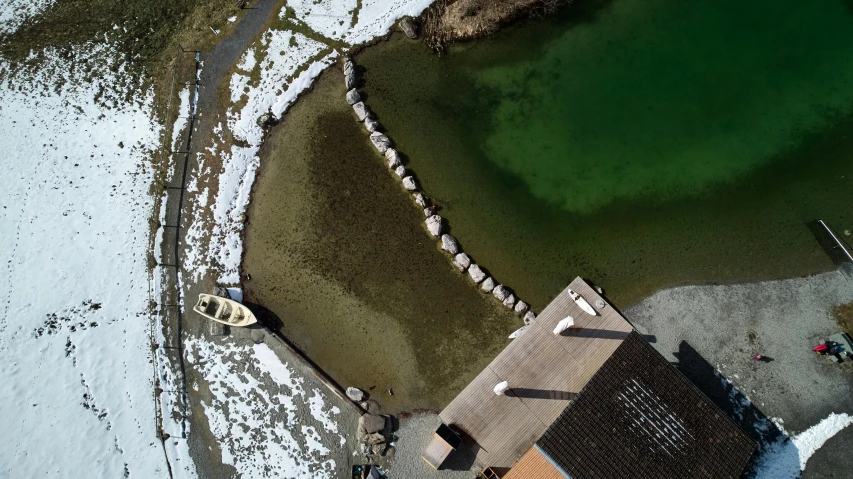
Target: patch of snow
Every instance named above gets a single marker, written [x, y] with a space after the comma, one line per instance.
[182, 117]
[232, 19]
[377, 17]
[787, 457]
[15, 12]
[75, 337]
[250, 386]
[248, 62]
[330, 18]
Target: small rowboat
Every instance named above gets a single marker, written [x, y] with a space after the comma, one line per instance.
[223, 310]
[582, 303]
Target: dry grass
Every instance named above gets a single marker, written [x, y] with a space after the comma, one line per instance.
[843, 314]
[448, 21]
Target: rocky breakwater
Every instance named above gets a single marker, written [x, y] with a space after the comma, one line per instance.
[375, 431]
[435, 225]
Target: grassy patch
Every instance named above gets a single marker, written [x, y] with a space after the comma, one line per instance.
[843, 314]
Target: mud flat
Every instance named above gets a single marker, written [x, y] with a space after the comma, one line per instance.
[337, 252]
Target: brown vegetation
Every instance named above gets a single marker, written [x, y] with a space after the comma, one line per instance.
[447, 21]
[843, 314]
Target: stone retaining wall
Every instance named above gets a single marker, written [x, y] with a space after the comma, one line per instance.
[435, 224]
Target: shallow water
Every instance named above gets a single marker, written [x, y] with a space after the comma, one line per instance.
[638, 144]
[336, 249]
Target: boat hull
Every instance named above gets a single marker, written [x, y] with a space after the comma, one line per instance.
[224, 310]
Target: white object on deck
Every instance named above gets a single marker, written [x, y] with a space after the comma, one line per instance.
[582, 303]
[518, 332]
[565, 324]
[223, 310]
[501, 388]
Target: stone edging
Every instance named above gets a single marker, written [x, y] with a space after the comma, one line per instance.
[434, 223]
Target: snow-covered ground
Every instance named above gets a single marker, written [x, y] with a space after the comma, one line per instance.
[77, 395]
[267, 421]
[77, 322]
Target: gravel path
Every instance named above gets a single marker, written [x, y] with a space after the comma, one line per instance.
[414, 435]
[707, 328]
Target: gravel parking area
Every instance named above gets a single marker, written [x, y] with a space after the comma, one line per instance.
[708, 328]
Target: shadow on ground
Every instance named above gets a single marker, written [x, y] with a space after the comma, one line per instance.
[768, 437]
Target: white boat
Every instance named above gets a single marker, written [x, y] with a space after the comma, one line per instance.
[563, 325]
[582, 303]
[518, 332]
[224, 310]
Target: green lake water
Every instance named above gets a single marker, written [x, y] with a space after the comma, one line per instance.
[640, 144]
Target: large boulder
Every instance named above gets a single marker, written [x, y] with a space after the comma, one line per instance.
[371, 125]
[353, 97]
[529, 317]
[355, 394]
[374, 438]
[462, 262]
[433, 224]
[360, 110]
[409, 27]
[393, 158]
[420, 199]
[349, 79]
[371, 423]
[409, 184]
[400, 171]
[449, 244]
[500, 292]
[488, 285]
[509, 301]
[349, 66]
[476, 273]
[521, 307]
[380, 141]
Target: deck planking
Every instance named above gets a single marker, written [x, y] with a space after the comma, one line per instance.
[544, 371]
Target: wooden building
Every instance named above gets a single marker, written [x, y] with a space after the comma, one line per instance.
[593, 401]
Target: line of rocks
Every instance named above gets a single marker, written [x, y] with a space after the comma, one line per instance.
[434, 223]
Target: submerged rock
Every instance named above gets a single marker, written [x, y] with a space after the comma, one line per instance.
[500, 292]
[393, 158]
[380, 141]
[409, 183]
[371, 125]
[355, 394]
[420, 199]
[409, 27]
[353, 97]
[476, 273]
[521, 307]
[488, 285]
[461, 261]
[509, 301]
[400, 171]
[449, 244]
[433, 224]
[360, 110]
[529, 317]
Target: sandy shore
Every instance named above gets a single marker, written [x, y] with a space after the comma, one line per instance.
[702, 328]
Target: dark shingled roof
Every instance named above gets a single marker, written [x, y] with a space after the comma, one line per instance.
[639, 417]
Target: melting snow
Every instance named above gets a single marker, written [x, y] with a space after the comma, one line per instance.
[261, 415]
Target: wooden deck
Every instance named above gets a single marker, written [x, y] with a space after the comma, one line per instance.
[544, 371]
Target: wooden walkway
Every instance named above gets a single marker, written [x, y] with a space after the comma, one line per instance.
[544, 372]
